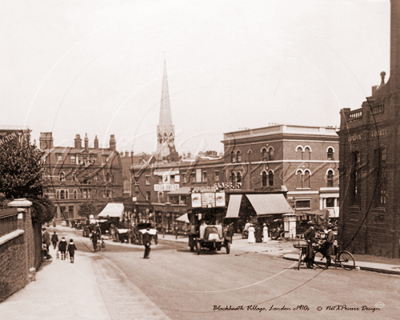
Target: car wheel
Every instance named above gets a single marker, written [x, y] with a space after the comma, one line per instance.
[198, 246]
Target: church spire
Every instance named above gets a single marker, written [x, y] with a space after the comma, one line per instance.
[165, 129]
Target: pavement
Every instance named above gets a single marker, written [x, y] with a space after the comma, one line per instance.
[63, 290]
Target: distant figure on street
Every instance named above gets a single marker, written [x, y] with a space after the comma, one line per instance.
[258, 233]
[94, 237]
[309, 236]
[265, 233]
[45, 252]
[146, 243]
[54, 240]
[62, 247]
[71, 250]
[46, 238]
[251, 238]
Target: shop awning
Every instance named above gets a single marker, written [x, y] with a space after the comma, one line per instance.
[112, 210]
[183, 218]
[265, 204]
[180, 192]
[234, 205]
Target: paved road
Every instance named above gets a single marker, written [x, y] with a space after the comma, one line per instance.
[178, 284]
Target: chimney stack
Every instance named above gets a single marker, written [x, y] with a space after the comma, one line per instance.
[78, 142]
[46, 140]
[96, 143]
[86, 142]
[113, 142]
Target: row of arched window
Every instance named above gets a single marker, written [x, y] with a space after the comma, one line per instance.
[109, 177]
[304, 153]
[304, 178]
[266, 153]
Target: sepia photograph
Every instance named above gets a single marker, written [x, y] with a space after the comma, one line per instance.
[187, 159]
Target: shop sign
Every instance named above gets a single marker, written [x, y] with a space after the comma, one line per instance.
[220, 199]
[208, 199]
[166, 187]
[196, 200]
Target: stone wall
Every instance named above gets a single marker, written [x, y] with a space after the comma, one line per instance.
[13, 273]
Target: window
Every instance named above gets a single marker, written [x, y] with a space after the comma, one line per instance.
[271, 154]
[148, 197]
[239, 177]
[270, 178]
[264, 179]
[233, 159]
[70, 212]
[330, 202]
[233, 178]
[303, 204]
[238, 156]
[72, 158]
[264, 154]
[62, 212]
[109, 193]
[66, 194]
[216, 176]
[300, 180]
[75, 194]
[185, 178]
[62, 176]
[74, 177]
[104, 158]
[57, 194]
[193, 178]
[380, 196]
[96, 177]
[307, 153]
[205, 176]
[299, 151]
[329, 153]
[355, 181]
[307, 180]
[62, 194]
[147, 180]
[329, 179]
[85, 193]
[59, 157]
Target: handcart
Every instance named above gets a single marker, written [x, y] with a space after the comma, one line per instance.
[302, 245]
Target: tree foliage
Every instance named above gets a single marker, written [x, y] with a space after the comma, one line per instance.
[88, 209]
[21, 176]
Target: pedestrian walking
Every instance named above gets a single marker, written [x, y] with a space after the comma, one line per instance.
[146, 243]
[251, 238]
[258, 233]
[265, 233]
[54, 240]
[71, 250]
[94, 238]
[309, 236]
[327, 246]
[46, 238]
[62, 247]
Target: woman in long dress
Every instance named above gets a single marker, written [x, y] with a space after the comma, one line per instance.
[251, 238]
[265, 233]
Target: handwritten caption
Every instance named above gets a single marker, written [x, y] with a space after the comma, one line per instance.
[302, 307]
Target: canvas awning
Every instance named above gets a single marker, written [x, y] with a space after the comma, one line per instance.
[112, 210]
[180, 192]
[234, 205]
[265, 204]
[183, 218]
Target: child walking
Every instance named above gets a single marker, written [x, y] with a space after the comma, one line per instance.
[71, 250]
[62, 247]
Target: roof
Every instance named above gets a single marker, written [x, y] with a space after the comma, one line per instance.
[112, 210]
[180, 191]
[265, 204]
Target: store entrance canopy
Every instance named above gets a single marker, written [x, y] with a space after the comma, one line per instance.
[234, 205]
[112, 210]
[265, 204]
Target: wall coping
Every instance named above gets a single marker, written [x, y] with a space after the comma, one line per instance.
[10, 236]
[20, 203]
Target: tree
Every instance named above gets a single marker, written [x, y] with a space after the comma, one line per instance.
[21, 176]
[88, 209]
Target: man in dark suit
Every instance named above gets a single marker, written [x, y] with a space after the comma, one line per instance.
[146, 243]
[309, 235]
[328, 244]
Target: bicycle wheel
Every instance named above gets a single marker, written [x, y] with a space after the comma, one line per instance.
[319, 260]
[346, 260]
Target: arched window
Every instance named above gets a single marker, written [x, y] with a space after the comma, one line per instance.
[233, 157]
[307, 153]
[329, 179]
[264, 154]
[299, 152]
[271, 154]
[239, 177]
[233, 178]
[307, 179]
[238, 156]
[270, 178]
[264, 179]
[300, 178]
[329, 153]
[62, 194]
[75, 195]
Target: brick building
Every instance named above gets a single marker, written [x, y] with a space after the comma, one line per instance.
[81, 174]
[369, 163]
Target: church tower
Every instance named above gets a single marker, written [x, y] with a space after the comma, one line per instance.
[165, 130]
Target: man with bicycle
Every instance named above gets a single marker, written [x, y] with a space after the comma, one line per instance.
[327, 247]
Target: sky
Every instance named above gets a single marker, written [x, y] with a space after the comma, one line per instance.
[95, 67]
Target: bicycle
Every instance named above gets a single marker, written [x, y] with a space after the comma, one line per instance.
[344, 258]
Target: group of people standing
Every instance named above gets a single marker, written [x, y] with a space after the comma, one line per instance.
[326, 247]
[63, 249]
[257, 233]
